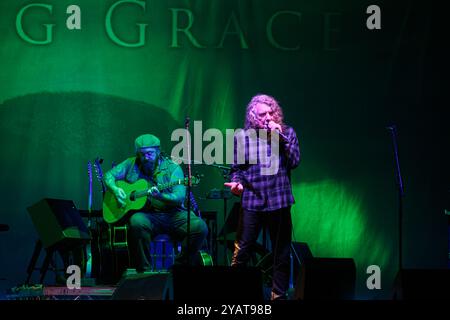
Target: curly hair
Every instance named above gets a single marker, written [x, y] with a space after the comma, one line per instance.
[250, 116]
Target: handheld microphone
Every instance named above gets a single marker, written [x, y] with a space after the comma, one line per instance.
[282, 135]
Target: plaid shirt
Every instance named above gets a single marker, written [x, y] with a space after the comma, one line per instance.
[267, 192]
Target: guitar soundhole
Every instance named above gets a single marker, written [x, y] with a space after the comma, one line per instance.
[133, 195]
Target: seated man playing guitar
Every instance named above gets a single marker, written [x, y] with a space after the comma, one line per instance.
[151, 210]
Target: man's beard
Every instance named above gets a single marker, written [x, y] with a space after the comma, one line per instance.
[148, 166]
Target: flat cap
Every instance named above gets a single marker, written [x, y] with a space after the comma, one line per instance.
[146, 141]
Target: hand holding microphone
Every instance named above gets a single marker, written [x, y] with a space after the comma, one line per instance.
[273, 126]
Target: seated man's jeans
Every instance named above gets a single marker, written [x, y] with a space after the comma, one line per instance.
[145, 226]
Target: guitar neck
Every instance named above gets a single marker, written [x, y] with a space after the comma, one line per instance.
[164, 186]
[161, 187]
[99, 171]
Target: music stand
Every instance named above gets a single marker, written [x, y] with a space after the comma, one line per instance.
[230, 224]
[224, 194]
[60, 229]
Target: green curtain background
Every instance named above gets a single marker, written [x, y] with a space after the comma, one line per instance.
[84, 96]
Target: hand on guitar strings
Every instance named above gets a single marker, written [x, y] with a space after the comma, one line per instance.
[120, 195]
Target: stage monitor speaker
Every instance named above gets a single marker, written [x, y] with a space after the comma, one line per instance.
[423, 284]
[143, 286]
[217, 284]
[232, 221]
[326, 279]
[58, 222]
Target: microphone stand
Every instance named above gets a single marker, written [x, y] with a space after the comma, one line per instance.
[188, 192]
[401, 192]
[89, 194]
[225, 174]
[87, 250]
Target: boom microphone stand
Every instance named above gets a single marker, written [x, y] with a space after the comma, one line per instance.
[401, 193]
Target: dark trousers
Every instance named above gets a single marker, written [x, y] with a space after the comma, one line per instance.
[145, 226]
[279, 224]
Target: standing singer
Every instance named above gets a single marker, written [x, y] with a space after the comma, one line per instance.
[266, 199]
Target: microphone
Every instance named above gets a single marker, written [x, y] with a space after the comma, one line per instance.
[391, 127]
[285, 138]
[220, 167]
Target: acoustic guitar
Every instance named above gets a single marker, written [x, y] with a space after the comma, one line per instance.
[137, 194]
